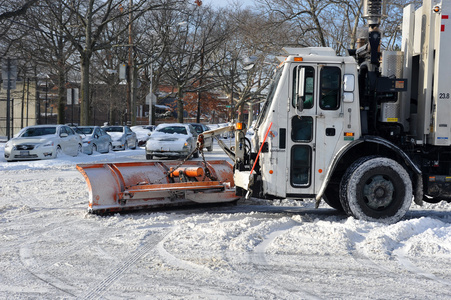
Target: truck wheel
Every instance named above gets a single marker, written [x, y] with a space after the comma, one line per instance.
[332, 196]
[376, 189]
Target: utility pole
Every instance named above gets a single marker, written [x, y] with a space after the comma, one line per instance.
[131, 79]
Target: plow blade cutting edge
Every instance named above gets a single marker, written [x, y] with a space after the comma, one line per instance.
[117, 187]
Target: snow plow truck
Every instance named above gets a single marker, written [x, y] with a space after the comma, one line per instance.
[368, 133]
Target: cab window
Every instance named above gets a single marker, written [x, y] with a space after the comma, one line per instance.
[330, 92]
[301, 156]
[303, 86]
[302, 129]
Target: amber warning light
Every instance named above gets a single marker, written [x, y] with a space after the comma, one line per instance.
[349, 136]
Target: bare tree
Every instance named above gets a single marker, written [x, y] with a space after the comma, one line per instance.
[254, 37]
[195, 36]
[46, 46]
[92, 18]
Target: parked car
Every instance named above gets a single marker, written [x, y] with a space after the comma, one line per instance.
[123, 137]
[95, 139]
[43, 142]
[172, 140]
[143, 133]
[208, 141]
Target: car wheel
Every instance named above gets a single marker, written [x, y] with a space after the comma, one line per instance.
[149, 156]
[59, 151]
[136, 145]
[209, 149]
[94, 148]
[125, 146]
[196, 154]
[110, 148]
[79, 149]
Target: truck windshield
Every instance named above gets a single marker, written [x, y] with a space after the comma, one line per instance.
[270, 98]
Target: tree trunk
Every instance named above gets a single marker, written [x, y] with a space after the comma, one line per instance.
[84, 98]
[61, 105]
[179, 105]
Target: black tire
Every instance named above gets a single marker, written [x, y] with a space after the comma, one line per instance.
[196, 154]
[136, 145]
[332, 196]
[149, 156]
[59, 151]
[209, 149]
[79, 150]
[94, 148]
[376, 189]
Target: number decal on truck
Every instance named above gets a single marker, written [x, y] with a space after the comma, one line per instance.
[443, 95]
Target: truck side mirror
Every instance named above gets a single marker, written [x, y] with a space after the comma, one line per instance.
[300, 89]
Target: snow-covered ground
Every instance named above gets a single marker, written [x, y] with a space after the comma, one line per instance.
[52, 249]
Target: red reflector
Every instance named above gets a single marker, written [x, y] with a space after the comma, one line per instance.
[445, 17]
[443, 28]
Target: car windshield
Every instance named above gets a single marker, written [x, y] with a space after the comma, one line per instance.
[198, 128]
[173, 129]
[38, 131]
[85, 130]
[114, 129]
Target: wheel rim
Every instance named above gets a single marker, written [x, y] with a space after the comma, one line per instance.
[378, 192]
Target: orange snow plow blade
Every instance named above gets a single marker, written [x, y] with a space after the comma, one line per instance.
[130, 186]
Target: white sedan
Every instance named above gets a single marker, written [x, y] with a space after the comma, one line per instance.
[123, 137]
[43, 142]
[172, 140]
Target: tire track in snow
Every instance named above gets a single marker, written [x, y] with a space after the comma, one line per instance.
[39, 269]
[259, 257]
[211, 283]
[102, 286]
[176, 262]
[218, 284]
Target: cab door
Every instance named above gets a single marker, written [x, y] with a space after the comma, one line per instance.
[313, 125]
